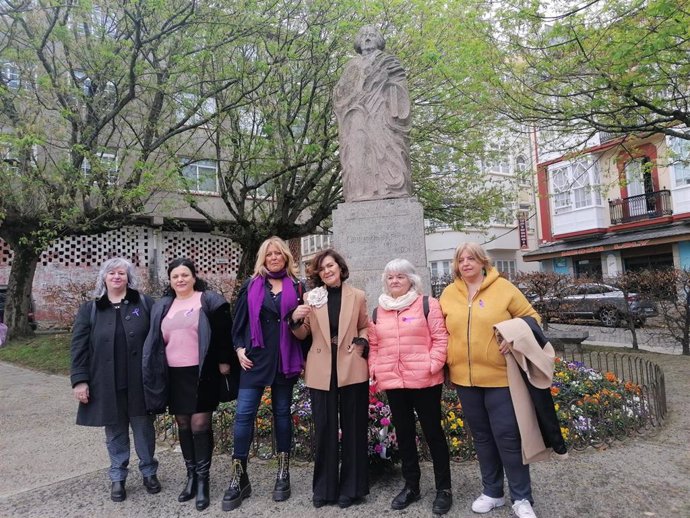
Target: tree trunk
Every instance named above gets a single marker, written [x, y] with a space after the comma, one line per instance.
[18, 304]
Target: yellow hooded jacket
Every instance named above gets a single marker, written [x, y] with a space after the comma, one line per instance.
[473, 356]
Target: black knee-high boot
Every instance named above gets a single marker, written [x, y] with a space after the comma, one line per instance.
[187, 446]
[203, 449]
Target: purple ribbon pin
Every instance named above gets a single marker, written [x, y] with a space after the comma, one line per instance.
[135, 312]
[481, 303]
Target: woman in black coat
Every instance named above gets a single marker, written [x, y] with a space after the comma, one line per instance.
[107, 341]
[187, 360]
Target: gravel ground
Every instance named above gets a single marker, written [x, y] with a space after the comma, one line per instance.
[52, 468]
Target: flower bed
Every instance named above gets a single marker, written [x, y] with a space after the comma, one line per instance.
[593, 407]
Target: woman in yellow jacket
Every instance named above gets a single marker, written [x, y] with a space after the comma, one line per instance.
[478, 299]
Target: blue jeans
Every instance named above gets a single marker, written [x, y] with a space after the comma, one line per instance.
[491, 417]
[247, 406]
[117, 442]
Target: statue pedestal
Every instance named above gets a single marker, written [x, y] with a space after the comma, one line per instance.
[371, 233]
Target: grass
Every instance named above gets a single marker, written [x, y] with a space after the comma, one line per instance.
[46, 353]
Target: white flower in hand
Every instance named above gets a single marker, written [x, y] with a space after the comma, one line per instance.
[317, 297]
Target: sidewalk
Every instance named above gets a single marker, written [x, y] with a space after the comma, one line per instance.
[53, 468]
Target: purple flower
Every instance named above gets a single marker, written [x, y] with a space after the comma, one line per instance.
[385, 421]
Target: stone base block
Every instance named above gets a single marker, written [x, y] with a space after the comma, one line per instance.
[371, 233]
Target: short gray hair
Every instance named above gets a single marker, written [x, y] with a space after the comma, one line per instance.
[109, 266]
[405, 267]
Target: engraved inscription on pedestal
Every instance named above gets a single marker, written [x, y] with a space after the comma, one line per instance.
[371, 233]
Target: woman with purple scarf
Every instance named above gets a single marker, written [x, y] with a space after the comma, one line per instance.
[270, 356]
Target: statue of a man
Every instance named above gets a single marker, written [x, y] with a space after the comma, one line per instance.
[372, 105]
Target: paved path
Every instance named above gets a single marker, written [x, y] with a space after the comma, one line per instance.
[51, 468]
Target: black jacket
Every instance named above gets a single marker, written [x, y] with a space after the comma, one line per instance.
[265, 371]
[93, 357]
[215, 347]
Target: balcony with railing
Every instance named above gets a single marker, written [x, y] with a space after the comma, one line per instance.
[641, 207]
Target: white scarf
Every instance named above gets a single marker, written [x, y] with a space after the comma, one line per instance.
[396, 304]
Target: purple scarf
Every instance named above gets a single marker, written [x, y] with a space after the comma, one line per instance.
[291, 361]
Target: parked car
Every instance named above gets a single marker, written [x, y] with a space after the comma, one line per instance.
[598, 301]
[3, 297]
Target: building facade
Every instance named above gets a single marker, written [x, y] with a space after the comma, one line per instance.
[619, 204]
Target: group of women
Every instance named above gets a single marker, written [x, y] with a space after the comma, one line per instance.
[132, 358]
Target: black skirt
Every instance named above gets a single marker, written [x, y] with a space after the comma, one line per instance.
[188, 394]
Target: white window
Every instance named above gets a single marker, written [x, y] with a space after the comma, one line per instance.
[574, 186]
[680, 160]
[440, 268]
[498, 161]
[99, 21]
[506, 267]
[523, 174]
[201, 176]
[315, 243]
[11, 75]
[189, 108]
[103, 163]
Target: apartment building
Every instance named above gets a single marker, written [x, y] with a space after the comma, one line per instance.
[615, 205]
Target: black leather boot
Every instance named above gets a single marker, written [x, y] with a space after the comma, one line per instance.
[442, 502]
[187, 445]
[281, 491]
[239, 488]
[118, 493]
[410, 493]
[203, 450]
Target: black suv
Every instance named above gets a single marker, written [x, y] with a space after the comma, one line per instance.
[3, 297]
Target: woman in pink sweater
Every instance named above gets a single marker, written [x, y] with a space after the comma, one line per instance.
[408, 341]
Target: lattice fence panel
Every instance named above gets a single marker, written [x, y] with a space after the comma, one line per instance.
[212, 255]
[129, 242]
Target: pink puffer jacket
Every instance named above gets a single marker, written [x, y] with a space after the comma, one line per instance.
[406, 350]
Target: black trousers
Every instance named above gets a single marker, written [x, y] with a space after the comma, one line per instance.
[345, 408]
[427, 403]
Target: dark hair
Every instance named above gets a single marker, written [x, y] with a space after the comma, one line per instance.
[315, 266]
[199, 284]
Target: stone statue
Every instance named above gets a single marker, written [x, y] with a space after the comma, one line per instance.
[372, 105]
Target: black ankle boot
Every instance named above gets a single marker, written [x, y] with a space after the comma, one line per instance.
[281, 491]
[187, 446]
[410, 493]
[239, 488]
[203, 449]
[442, 502]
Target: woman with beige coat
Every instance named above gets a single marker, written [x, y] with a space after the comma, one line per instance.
[336, 372]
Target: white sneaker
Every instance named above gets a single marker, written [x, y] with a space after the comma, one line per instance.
[523, 509]
[484, 503]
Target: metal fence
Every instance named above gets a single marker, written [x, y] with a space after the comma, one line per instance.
[594, 421]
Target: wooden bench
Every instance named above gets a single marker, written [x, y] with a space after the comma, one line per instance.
[560, 338]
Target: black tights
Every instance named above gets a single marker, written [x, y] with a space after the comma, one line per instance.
[198, 423]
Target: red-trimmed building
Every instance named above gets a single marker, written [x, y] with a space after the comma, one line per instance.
[620, 204]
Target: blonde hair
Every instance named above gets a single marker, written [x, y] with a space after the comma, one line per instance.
[283, 248]
[476, 251]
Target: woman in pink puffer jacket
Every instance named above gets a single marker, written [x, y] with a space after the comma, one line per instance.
[408, 341]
